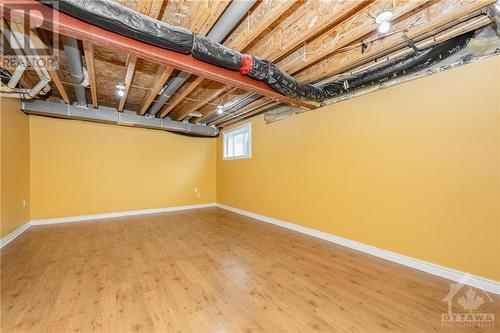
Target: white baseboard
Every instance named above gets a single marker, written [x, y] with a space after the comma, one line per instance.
[14, 234]
[10, 237]
[444, 272]
[83, 218]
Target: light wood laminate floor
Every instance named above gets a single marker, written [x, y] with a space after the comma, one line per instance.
[209, 270]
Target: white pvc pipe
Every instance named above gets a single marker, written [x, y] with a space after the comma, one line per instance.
[15, 95]
[16, 76]
[14, 39]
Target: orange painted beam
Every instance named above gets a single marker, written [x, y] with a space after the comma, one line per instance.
[61, 23]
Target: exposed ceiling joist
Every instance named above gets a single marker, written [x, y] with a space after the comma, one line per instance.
[54, 74]
[247, 108]
[178, 98]
[70, 26]
[345, 33]
[247, 37]
[276, 45]
[156, 7]
[437, 15]
[238, 117]
[143, 7]
[161, 77]
[250, 33]
[88, 49]
[129, 74]
[204, 21]
[342, 34]
[196, 106]
[298, 28]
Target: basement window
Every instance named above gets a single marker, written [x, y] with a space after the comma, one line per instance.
[237, 142]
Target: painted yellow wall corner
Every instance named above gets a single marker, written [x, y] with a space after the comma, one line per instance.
[14, 179]
[412, 169]
[81, 168]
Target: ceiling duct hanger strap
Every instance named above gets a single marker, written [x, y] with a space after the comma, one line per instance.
[411, 43]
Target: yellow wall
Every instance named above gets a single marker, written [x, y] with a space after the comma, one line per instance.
[412, 169]
[14, 166]
[80, 168]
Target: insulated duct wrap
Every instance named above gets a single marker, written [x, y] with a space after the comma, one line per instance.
[112, 16]
[399, 67]
[264, 70]
[207, 50]
[117, 18]
[280, 81]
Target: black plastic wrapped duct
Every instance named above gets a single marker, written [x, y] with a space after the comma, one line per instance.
[399, 67]
[112, 16]
[280, 81]
[207, 50]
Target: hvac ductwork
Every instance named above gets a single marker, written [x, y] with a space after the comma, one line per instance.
[74, 59]
[168, 91]
[225, 24]
[111, 116]
[112, 16]
[17, 39]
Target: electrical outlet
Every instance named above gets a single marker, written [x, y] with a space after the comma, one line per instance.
[198, 194]
[195, 190]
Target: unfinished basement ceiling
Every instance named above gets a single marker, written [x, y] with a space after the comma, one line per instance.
[310, 39]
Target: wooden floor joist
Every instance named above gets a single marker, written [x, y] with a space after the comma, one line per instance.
[204, 101]
[129, 74]
[276, 45]
[88, 49]
[40, 45]
[278, 9]
[161, 77]
[178, 98]
[341, 34]
[247, 108]
[72, 27]
[143, 7]
[438, 14]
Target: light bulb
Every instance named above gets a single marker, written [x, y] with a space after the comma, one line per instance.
[384, 15]
[220, 109]
[120, 89]
[384, 27]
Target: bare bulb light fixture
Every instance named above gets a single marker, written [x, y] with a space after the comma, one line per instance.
[383, 20]
[120, 89]
[220, 109]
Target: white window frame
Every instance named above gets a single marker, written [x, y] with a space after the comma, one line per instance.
[225, 136]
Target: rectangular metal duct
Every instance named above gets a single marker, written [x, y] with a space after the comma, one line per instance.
[109, 115]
